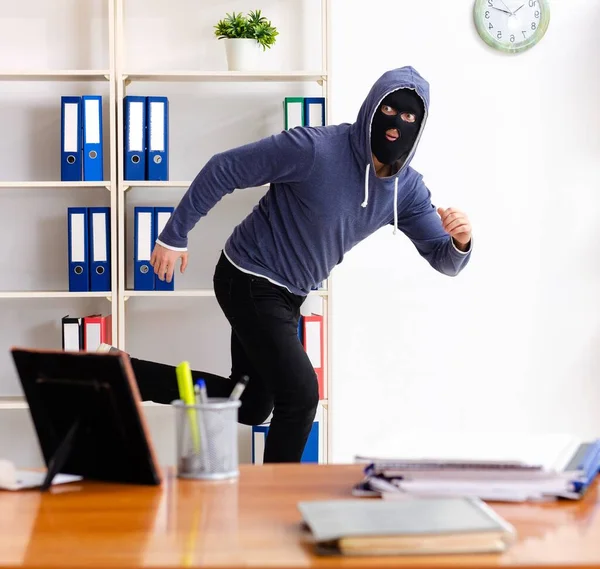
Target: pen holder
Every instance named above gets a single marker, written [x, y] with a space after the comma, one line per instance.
[207, 439]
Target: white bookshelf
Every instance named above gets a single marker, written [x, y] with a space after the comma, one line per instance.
[126, 77]
[76, 76]
[118, 78]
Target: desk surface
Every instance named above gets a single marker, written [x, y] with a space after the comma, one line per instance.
[251, 522]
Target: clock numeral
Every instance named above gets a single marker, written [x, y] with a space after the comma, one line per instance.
[487, 15]
[524, 33]
[499, 36]
[533, 26]
[532, 3]
[512, 38]
[490, 4]
[537, 14]
[491, 27]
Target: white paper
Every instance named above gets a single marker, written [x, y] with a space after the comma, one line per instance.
[13, 479]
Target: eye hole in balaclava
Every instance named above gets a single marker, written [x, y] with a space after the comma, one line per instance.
[396, 125]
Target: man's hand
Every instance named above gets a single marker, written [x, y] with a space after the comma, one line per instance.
[163, 260]
[457, 224]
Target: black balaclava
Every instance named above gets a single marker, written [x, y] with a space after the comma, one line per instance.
[404, 101]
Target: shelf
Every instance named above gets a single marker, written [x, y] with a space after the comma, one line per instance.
[129, 184]
[15, 402]
[178, 293]
[155, 184]
[56, 75]
[35, 184]
[52, 294]
[191, 292]
[227, 76]
[21, 403]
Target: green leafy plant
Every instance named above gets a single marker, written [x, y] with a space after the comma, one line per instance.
[253, 26]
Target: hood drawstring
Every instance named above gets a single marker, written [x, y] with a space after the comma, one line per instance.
[395, 205]
[366, 200]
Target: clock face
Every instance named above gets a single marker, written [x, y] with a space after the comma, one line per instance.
[512, 26]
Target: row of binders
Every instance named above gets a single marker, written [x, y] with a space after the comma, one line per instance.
[89, 249]
[146, 136]
[81, 139]
[148, 224]
[303, 111]
[502, 467]
[86, 333]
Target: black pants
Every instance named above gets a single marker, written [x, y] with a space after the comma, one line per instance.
[265, 346]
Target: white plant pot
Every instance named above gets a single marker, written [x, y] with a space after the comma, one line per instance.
[242, 54]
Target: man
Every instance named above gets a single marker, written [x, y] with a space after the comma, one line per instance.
[330, 188]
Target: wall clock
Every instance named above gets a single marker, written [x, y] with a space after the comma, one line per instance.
[512, 26]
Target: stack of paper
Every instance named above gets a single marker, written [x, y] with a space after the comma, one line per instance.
[513, 468]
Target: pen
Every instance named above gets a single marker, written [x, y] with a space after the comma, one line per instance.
[239, 388]
[200, 391]
[201, 398]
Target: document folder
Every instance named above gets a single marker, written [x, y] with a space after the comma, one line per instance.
[293, 110]
[161, 216]
[71, 169]
[143, 275]
[72, 334]
[314, 111]
[99, 225]
[314, 345]
[135, 137]
[97, 329]
[93, 162]
[79, 275]
[157, 156]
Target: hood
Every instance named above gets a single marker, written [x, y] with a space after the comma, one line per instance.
[360, 133]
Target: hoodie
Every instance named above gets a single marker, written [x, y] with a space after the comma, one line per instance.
[323, 198]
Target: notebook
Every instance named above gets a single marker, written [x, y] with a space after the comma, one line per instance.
[415, 526]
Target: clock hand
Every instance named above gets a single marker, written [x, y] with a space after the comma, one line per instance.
[518, 9]
[501, 10]
[506, 7]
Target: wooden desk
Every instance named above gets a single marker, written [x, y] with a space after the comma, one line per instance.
[250, 523]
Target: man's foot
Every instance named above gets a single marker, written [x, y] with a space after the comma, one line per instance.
[107, 349]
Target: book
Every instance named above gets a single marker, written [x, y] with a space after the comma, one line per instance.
[413, 526]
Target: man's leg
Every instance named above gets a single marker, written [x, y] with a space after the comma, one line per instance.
[264, 318]
[257, 399]
[158, 382]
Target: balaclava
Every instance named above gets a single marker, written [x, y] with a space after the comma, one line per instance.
[404, 101]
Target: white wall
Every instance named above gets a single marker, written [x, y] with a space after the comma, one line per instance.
[513, 342]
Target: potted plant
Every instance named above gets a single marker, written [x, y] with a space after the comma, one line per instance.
[244, 38]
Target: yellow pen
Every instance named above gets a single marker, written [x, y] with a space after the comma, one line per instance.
[186, 392]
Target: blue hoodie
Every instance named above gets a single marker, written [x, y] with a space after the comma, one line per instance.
[323, 198]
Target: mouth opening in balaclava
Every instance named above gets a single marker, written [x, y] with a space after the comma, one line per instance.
[401, 101]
